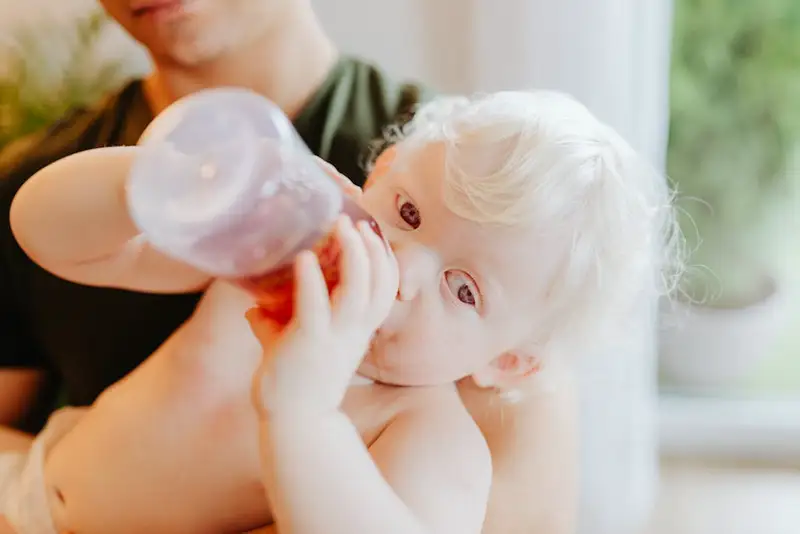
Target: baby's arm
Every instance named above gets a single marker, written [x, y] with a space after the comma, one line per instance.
[71, 218]
[428, 473]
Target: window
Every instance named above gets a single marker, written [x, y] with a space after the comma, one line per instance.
[731, 349]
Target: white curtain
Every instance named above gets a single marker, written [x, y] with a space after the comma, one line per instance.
[614, 56]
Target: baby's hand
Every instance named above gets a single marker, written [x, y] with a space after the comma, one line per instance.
[308, 365]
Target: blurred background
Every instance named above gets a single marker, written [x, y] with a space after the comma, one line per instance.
[693, 424]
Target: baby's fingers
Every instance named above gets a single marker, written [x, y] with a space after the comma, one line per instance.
[352, 294]
[311, 308]
[385, 277]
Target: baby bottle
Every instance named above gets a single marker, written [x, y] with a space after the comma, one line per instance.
[225, 184]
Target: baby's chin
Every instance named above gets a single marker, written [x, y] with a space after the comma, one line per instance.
[370, 368]
[374, 364]
[388, 377]
[378, 371]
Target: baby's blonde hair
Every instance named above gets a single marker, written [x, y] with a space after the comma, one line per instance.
[541, 158]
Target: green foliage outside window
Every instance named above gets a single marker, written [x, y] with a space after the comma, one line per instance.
[734, 149]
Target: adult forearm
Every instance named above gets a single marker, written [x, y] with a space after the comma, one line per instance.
[321, 479]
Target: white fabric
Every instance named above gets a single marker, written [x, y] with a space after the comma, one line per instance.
[23, 493]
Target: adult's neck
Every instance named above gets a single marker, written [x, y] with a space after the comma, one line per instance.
[287, 65]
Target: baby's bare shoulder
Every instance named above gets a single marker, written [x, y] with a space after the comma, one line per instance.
[435, 458]
[437, 418]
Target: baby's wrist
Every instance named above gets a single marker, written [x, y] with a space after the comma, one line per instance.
[272, 402]
[297, 428]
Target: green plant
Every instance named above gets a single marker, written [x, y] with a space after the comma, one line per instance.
[51, 68]
[735, 133]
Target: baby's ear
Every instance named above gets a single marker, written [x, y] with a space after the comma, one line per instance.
[507, 371]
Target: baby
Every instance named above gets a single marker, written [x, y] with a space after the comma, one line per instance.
[521, 231]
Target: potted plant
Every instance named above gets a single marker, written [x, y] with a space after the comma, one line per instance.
[55, 65]
[733, 155]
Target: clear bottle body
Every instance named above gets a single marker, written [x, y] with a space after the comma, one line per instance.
[224, 183]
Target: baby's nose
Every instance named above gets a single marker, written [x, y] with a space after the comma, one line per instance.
[416, 268]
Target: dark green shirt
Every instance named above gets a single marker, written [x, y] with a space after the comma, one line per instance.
[88, 338]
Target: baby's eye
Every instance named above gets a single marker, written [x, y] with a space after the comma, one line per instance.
[408, 212]
[462, 286]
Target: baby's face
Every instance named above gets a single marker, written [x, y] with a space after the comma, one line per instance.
[468, 292]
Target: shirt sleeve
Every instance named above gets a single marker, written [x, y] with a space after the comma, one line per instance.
[352, 111]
